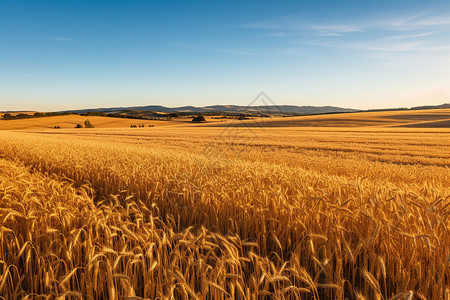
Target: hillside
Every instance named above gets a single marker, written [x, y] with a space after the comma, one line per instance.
[282, 211]
[236, 109]
[292, 109]
[433, 118]
[70, 121]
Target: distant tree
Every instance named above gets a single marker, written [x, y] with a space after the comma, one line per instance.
[22, 116]
[243, 117]
[38, 115]
[7, 117]
[79, 126]
[96, 113]
[88, 124]
[199, 118]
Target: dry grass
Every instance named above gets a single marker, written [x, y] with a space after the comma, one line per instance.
[313, 214]
[70, 121]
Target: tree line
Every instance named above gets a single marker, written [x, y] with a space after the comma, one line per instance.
[9, 116]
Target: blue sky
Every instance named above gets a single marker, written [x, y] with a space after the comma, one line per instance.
[58, 55]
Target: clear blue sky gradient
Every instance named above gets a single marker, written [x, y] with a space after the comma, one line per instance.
[57, 55]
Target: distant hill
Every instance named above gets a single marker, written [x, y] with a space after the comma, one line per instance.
[282, 109]
[445, 105]
[238, 109]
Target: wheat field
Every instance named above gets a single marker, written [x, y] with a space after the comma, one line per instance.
[207, 212]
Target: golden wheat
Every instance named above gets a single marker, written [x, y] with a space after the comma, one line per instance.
[296, 214]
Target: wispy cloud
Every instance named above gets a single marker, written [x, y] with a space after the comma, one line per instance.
[269, 25]
[422, 35]
[394, 47]
[435, 21]
[276, 34]
[59, 38]
[395, 23]
[410, 36]
[335, 29]
[403, 22]
[217, 50]
[276, 51]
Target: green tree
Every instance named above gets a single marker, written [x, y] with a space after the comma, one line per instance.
[96, 113]
[22, 116]
[7, 117]
[199, 118]
[88, 124]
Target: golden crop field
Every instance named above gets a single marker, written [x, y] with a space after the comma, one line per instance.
[437, 118]
[213, 211]
[70, 121]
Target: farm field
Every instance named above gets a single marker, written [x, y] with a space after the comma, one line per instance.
[341, 206]
[435, 118]
[70, 121]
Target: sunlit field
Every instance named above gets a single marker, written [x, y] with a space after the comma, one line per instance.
[258, 209]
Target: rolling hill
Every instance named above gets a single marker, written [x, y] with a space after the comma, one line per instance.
[281, 109]
[431, 118]
[70, 121]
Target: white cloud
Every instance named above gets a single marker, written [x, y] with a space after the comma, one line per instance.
[217, 50]
[276, 34]
[336, 28]
[423, 35]
[410, 36]
[59, 38]
[393, 47]
[433, 22]
[420, 21]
